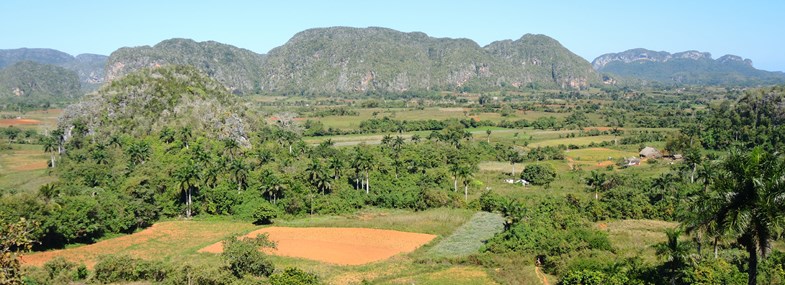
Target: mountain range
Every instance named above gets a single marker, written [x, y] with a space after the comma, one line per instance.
[689, 67]
[352, 60]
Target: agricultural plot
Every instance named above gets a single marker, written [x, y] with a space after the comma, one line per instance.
[579, 141]
[470, 237]
[173, 240]
[342, 246]
[24, 167]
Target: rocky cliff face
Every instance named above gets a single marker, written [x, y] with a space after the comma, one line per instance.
[539, 58]
[342, 59]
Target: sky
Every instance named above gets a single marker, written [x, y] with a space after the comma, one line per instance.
[752, 29]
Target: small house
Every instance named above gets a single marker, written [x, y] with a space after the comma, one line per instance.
[632, 161]
[650, 152]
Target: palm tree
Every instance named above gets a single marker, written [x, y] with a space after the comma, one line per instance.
[271, 185]
[240, 172]
[187, 177]
[50, 146]
[466, 172]
[749, 191]
[184, 135]
[231, 147]
[675, 253]
[513, 156]
[488, 132]
[595, 181]
[336, 164]
[138, 152]
[318, 177]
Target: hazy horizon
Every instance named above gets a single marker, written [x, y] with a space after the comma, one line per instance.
[746, 29]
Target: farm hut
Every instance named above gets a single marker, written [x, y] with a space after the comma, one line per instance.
[650, 152]
[632, 161]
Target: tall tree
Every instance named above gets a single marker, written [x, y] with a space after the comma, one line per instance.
[749, 191]
[50, 146]
[595, 181]
[675, 254]
[187, 177]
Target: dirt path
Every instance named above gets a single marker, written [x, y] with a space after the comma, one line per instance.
[541, 275]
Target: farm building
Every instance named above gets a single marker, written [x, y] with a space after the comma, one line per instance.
[650, 152]
[632, 161]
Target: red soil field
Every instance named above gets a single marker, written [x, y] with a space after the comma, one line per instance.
[16, 122]
[165, 239]
[342, 246]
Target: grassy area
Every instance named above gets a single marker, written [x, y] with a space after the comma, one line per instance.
[579, 141]
[470, 237]
[440, 221]
[636, 237]
[24, 167]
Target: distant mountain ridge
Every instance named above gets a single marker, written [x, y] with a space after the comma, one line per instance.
[689, 67]
[33, 80]
[354, 60]
[89, 67]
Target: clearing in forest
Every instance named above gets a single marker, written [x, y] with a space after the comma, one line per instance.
[343, 246]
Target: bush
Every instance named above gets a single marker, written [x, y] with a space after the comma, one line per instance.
[492, 202]
[265, 213]
[121, 268]
[242, 256]
[294, 276]
[539, 174]
[202, 274]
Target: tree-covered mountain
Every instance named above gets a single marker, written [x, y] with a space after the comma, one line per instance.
[89, 67]
[32, 80]
[238, 69]
[343, 59]
[153, 99]
[689, 67]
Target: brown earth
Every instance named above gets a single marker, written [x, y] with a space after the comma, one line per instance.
[602, 129]
[343, 246]
[16, 122]
[161, 240]
[606, 163]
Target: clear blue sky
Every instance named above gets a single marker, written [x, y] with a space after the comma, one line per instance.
[751, 29]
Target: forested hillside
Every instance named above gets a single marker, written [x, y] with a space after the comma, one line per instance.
[27, 80]
[342, 59]
[237, 69]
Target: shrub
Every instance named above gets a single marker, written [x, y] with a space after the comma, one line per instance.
[59, 266]
[242, 256]
[539, 174]
[492, 202]
[294, 276]
[265, 213]
[120, 268]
